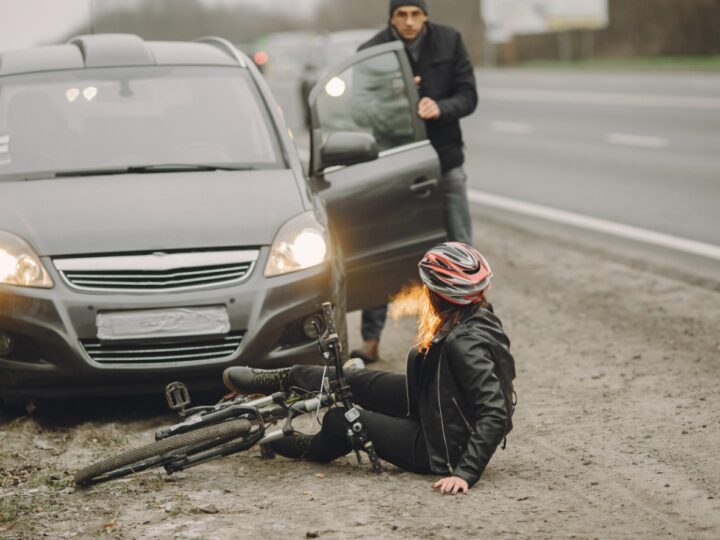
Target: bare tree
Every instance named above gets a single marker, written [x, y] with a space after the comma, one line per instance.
[640, 28]
[189, 19]
[464, 15]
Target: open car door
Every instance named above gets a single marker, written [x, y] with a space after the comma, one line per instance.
[376, 170]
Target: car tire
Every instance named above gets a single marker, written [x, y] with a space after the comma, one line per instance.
[14, 407]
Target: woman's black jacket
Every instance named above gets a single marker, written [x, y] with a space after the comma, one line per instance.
[447, 78]
[461, 392]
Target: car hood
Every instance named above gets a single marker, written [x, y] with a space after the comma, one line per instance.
[149, 212]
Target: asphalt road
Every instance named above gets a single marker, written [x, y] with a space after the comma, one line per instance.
[637, 149]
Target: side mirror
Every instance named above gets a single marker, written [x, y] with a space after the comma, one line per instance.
[347, 148]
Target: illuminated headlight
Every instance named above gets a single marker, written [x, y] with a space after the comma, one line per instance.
[19, 265]
[300, 243]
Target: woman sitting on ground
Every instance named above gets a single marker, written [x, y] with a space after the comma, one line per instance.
[451, 409]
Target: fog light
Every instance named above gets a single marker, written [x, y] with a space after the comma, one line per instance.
[312, 326]
[7, 344]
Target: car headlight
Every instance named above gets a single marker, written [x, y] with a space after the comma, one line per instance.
[19, 265]
[300, 243]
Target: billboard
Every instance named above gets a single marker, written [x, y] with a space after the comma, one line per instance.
[505, 18]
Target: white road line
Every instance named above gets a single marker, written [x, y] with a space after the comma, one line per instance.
[600, 225]
[598, 98]
[511, 128]
[642, 141]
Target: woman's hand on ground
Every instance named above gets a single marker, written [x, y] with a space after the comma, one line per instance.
[451, 484]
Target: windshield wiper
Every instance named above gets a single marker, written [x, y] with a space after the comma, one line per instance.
[158, 168]
[171, 167]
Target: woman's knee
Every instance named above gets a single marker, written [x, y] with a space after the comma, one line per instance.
[305, 377]
[334, 422]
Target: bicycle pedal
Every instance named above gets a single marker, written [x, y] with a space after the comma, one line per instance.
[177, 396]
[266, 452]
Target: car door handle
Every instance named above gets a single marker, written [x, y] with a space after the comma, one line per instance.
[422, 187]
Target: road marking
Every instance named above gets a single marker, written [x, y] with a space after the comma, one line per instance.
[600, 225]
[511, 128]
[642, 141]
[598, 98]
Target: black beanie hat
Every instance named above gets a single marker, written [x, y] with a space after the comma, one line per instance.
[394, 4]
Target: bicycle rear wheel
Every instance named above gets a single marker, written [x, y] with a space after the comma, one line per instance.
[157, 453]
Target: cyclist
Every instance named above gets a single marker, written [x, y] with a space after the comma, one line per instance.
[451, 409]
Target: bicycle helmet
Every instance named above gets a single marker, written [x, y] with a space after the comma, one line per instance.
[456, 272]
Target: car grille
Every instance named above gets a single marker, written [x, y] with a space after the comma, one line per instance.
[157, 271]
[163, 351]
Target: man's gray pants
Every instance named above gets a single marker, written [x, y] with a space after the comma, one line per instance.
[458, 227]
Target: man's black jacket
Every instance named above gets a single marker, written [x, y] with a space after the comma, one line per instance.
[448, 78]
[461, 392]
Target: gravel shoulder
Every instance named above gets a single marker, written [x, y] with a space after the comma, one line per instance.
[616, 432]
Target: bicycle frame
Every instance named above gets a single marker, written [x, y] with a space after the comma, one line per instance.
[269, 410]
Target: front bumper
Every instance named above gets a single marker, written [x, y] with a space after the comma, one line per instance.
[53, 323]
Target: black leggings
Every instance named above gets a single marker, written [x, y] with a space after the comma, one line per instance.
[397, 438]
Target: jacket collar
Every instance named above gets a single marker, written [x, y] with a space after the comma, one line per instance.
[480, 312]
[447, 329]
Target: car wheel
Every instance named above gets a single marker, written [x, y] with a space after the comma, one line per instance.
[13, 407]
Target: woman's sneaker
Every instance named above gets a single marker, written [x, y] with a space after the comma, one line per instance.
[245, 380]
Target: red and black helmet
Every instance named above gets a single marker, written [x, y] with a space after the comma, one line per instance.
[456, 272]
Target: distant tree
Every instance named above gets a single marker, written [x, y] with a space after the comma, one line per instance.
[189, 19]
[640, 28]
[463, 15]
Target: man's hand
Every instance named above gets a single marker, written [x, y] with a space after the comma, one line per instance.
[452, 485]
[428, 109]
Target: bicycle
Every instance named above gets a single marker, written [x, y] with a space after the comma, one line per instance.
[239, 423]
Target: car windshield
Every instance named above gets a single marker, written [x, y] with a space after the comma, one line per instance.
[114, 118]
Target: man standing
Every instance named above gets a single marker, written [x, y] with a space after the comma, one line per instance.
[446, 84]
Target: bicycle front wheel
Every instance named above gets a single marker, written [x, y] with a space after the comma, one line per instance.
[157, 453]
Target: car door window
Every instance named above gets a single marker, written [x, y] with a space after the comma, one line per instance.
[371, 97]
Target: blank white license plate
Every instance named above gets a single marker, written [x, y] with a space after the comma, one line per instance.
[160, 323]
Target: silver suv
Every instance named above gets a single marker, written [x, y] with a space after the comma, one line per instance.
[156, 223]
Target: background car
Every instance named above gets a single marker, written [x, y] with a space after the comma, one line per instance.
[156, 224]
[281, 54]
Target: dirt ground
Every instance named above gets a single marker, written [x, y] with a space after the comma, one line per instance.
[616, 431]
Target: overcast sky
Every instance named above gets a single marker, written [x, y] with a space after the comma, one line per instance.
[24, 23]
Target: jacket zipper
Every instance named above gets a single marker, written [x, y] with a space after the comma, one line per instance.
[422, 425]
[407, 389]
[467, 424]
[442, 423]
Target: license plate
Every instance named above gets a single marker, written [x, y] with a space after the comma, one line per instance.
[162, 323]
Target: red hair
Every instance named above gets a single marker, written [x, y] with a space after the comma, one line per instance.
[435, 313]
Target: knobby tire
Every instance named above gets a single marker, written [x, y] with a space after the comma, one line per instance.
[215, 435]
